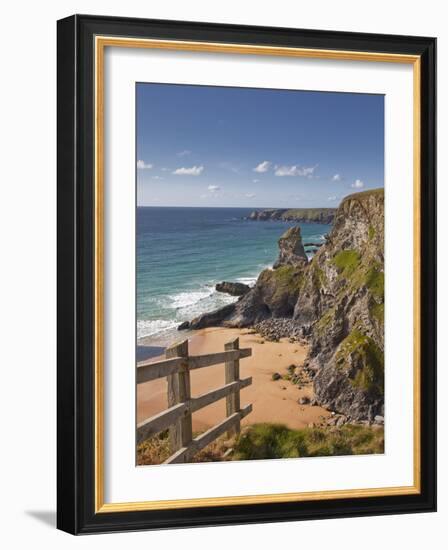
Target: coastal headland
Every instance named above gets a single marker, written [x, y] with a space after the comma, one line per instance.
[299, 215]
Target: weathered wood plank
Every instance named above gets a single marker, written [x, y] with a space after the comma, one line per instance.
[181, 432]
[232, 373]
[159, 422]
[215, 395]
[155, 424]
[151, 371]
[185, 454]
[210, 359]
[210, 435]
[147, 371]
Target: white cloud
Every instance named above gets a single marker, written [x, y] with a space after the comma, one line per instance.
[263, 166]
[193, 171]
[255, 181]
[157, 178]
[358, 184]
[332, 199]
[142, 165]
[184, 153]
[295, 170]
[213, 188]
[336, 177]
[250, 195]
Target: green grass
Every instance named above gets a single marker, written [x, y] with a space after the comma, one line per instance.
[359, 349]
[319, 278]
[347, 261]
[377, 311]
[375, 282]
[286, 278]
[363, 195]
[311, 214]
[325, 322]
[156, 450]
[263, 441]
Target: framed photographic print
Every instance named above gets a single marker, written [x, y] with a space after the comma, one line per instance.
[246, 274]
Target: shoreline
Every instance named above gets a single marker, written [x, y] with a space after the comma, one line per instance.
[273, 401]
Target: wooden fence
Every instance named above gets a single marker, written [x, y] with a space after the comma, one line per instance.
[176, 367]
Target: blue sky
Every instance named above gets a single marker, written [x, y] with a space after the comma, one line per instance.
[245, 147]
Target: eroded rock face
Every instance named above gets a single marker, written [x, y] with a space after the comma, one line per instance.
[342, 304]
[291, 249]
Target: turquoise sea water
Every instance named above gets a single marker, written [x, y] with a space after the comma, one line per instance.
[183, 252]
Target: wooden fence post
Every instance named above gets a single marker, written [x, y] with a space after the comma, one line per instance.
[181, 433]
[233, 374]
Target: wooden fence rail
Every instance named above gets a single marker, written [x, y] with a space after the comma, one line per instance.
[176, 367]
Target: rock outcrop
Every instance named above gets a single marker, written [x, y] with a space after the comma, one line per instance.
[234, 289]
[303, 215]
[291, 249]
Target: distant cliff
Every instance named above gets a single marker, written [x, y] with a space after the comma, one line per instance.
[304, 215]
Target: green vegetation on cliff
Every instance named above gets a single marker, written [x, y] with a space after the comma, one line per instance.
[311, 214]
[377, 311]
[283, 282]
[346, 261]
[375, 282]
[362, 351]
[363, 195]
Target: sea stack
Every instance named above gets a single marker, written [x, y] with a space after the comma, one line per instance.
[291, 249]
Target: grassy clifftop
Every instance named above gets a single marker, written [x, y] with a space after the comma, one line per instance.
[314, 215]
[363, 195]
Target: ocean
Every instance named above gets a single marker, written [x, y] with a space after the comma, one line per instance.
[183, 252]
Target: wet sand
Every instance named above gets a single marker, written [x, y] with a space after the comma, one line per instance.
[273, 401]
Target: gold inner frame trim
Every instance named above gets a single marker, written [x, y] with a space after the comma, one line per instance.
[101, 42]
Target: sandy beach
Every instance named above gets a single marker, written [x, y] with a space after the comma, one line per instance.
[273, 401]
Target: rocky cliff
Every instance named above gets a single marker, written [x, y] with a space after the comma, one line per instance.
[303, 215]
[341, 307]
[336, 301]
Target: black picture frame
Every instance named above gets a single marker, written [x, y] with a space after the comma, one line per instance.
[76, 263]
